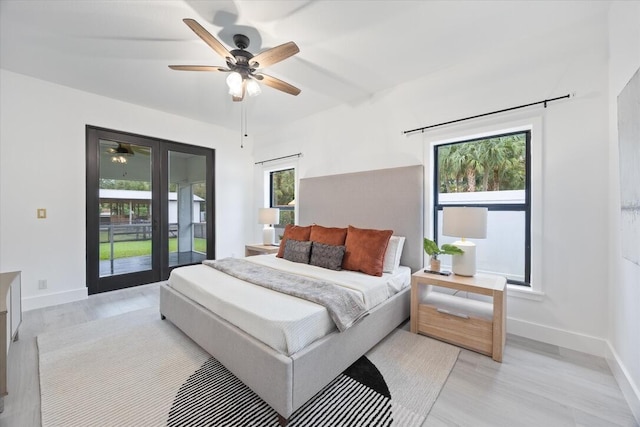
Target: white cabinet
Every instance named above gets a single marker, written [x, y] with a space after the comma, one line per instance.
[10, 319]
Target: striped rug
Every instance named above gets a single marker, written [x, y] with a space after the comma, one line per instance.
[136, 370]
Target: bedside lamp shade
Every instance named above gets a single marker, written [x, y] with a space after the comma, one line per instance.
[465, 223]
[268, 217]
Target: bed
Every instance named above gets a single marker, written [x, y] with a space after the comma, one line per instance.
[285, 380]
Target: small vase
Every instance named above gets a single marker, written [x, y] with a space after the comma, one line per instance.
[435, 264]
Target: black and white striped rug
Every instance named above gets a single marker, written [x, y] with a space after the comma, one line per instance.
[137, 370]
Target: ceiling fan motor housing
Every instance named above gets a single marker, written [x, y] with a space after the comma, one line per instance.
[241, 56]
[241, 41]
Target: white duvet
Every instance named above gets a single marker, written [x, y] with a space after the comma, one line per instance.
[281, 321]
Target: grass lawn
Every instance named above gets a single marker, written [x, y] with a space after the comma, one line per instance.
[143, 247]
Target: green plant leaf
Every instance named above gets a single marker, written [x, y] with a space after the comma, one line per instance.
[430, 247]
[449, 249]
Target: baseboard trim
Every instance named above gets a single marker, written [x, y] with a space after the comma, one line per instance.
[630, 390]
[41, 301]
[560, 337]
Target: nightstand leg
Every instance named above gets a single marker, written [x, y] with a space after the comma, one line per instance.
[414, 306]
[499, 323]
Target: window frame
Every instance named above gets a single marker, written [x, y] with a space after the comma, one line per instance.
[486, 126]
[264, 182]
[504, 207]
[272, 195]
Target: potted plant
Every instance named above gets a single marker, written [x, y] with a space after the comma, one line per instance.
[432, 249]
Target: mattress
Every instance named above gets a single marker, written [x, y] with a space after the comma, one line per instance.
[283, 322]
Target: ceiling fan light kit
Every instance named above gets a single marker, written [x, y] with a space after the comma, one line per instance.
[253, 88]
[234, 81]
[243, 67]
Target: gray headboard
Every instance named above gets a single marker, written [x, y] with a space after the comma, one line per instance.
[389, 199]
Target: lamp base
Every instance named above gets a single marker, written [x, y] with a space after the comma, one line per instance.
[465, 264]
[268, 235]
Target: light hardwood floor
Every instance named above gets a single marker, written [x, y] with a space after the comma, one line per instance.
[536, 385]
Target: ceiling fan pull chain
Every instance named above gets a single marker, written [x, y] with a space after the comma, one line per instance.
[244, 113]
[243, 124]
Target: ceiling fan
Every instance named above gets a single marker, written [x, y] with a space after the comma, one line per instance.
[242, 66]
[123, 150]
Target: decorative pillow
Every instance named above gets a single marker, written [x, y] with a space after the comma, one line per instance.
[365, 250]
[294, 232]
[392, 255]
[328, 235]
[297, 251]
[327, 256]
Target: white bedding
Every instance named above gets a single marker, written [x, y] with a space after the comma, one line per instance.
[283, 322]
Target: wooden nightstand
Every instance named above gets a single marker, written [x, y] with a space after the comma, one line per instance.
[258, 249]
[476, 325]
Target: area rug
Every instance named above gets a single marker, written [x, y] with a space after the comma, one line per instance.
[138, 370]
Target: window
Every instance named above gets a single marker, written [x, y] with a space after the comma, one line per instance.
[282, 189]
[493, 172]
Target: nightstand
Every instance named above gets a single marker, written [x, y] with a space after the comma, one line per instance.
[259, 249]
[469, 323]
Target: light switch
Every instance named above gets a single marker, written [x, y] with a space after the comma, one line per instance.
[42, 213]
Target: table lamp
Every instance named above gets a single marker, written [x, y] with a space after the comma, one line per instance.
[464, 222]
[268, 217]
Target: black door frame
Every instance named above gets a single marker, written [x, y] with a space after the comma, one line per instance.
[209, 154]
[159, 207]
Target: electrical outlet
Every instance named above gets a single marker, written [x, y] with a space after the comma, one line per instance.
[42, 284]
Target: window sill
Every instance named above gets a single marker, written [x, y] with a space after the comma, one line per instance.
[526, 293]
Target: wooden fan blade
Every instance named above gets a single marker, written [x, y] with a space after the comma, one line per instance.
[210, 40]
[278, 84]
[197, 68]
[274, 55]
[140, 149]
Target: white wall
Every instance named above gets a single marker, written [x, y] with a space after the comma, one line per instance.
[42, 165]
[367, 135]
[624, 276]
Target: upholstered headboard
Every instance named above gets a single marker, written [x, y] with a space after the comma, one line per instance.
[389, 199]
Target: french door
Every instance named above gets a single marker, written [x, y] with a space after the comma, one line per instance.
[150, 208]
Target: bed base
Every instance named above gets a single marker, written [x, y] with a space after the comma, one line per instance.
[284, 382]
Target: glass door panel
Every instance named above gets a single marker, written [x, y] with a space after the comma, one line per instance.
[125, 208]
[150, 208]
[187, 208]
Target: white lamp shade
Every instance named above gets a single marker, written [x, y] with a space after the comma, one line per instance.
[268, 216]
[464, 222]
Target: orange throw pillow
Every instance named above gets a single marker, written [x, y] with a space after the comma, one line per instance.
[365, 250]
[328, 235]
[294, 232]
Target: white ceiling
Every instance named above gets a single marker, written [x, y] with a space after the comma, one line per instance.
[349, 50]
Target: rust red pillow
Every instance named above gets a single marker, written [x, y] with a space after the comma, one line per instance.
[294, 232]
[365, 249]
[333, 236]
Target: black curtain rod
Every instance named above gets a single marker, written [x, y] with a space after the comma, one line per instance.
[545, 102]
[278, 158]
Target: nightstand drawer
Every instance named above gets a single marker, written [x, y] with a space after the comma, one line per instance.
[472, 332]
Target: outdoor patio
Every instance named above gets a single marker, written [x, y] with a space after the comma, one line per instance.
[141, 263]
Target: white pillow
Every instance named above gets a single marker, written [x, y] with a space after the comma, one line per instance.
[392, 255]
